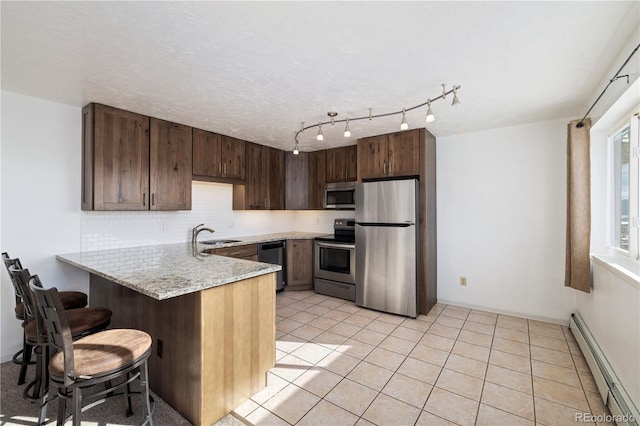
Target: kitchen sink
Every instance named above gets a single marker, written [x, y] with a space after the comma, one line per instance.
[216, 242]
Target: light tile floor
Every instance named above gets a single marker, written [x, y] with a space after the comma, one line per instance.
[338, 364]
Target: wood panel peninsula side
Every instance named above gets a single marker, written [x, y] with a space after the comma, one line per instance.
[212, 320]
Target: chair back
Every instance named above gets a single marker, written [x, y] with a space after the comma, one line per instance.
[54, 317]
[8, 262]
[20, 278]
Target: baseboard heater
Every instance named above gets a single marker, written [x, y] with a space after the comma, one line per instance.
[623, 410]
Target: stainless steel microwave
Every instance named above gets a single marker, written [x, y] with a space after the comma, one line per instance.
[340, 196]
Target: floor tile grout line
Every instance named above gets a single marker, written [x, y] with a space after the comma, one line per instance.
[484, 380]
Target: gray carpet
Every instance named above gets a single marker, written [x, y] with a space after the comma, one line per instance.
[14, 410]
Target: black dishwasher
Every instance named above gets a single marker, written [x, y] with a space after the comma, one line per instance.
[274, 252]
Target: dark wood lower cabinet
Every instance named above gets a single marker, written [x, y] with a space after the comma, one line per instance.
[299, 265]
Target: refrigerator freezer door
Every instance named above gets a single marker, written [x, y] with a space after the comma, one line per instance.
[386, 268]
[392, 201]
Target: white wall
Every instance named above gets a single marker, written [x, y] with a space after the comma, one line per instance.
[501, 220]
[40, 216]
[40, 206]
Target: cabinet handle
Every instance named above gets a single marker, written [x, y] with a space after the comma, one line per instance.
[390, 168]
[225, 168]
[384, 168]
[219, 168]
[265, 203]
[144, 198]
[153, 199]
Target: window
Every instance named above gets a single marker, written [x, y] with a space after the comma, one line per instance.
[624, 148]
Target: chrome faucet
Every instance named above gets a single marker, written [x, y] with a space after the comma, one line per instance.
[197, 230]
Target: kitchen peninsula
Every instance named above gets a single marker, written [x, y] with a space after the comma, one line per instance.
[212, 320]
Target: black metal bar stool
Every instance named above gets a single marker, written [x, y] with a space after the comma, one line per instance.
[103, 357]
[70, 300]
[82, 322]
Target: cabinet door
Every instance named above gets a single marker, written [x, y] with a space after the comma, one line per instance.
[404, 153]
[171, 151]
[335, 165]
[351, 163]
[299, 264]
[317, 178]
[206, 154]
[297, 181]
[372, 157]
[120, 159]
[275, 177]
[251, 195]
[232, 158]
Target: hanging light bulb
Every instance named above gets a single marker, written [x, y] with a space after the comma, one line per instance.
[456, 101]
[320, 136]
[347, 131]
[404, 125]
[430, 116]
[295, 150]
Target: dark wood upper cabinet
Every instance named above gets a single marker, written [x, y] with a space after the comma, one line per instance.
[373, 153]
[263, 188]
[351, 162]
[342, 164]
[391, 155]
[133, 162]
[218, 158]
[404, 153]
[297, 181]
[232, 158]
[170, 166]
[115, 154]
[276, 177]
[317, 178]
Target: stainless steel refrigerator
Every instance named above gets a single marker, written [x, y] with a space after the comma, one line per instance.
[387, 246]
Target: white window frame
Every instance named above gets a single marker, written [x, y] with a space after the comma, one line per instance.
[633, 121]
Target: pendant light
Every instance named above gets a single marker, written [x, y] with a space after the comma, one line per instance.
[320, 136]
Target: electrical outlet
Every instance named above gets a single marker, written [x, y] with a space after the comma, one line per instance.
[463, 281]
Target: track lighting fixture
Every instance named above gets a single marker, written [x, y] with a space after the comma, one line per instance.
[430, 116]
[404, 124]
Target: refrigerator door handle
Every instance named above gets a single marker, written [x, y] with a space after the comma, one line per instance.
[387, 225]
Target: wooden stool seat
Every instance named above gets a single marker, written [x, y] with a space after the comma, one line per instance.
[82, 321]
[102, 353]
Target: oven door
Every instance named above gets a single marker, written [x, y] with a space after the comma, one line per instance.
[335, 262]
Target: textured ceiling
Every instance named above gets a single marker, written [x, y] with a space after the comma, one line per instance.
[255, 70]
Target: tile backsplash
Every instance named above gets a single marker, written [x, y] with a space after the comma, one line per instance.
[211, 205]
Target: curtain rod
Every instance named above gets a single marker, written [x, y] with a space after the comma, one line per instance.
[615, 77]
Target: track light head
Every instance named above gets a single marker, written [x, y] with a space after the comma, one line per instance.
[320, 136]
[347, 131]
[456, 101]
[430, 116]
[403, 124]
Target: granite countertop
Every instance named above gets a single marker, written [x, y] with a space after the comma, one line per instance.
[171, 270]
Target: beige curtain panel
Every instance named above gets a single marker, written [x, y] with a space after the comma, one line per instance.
[577, 268]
